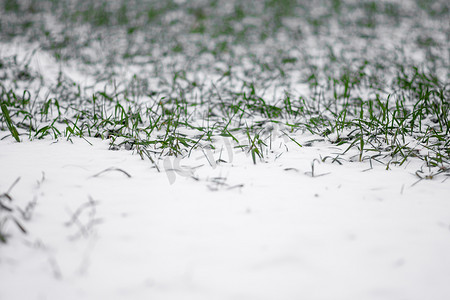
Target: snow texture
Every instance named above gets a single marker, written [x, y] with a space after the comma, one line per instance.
[107, 225]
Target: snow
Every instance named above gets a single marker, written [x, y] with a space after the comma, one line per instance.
[108, 225]
[239, 231]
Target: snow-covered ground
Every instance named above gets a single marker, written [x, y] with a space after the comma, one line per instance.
[294, 225]
[236, 231]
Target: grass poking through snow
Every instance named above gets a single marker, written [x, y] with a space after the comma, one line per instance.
[170, 77]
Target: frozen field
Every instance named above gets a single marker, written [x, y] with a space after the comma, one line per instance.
[239, 232]
[224, 150]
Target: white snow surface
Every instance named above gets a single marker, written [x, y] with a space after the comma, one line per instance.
[240, 231]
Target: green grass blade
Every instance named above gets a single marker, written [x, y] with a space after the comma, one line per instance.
[9, 123]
